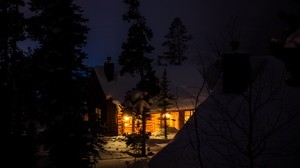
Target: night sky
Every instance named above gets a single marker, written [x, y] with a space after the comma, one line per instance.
[206, 20]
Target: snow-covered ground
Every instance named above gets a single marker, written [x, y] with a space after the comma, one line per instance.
[116, 155]
[259, 128]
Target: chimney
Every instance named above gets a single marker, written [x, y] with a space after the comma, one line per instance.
[236, 69]
[109, 69]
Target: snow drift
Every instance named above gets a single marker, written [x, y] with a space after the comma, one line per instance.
[258, 128]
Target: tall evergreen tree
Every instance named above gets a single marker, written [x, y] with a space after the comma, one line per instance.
[17, 143]
[60, 77]
[165, 100]
[176, 42]
[134, 58]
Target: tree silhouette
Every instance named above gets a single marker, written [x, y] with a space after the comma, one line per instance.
[134, 59]
[17, 143]
[59, 79]
[176, 42]
[165, 100]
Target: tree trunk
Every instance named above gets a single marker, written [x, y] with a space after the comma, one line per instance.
[165, 127]
[144, 133]
[133, 124]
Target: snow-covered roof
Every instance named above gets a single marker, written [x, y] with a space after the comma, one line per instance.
[234, 130]
[185, 81]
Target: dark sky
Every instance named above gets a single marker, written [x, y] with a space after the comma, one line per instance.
[206, 20]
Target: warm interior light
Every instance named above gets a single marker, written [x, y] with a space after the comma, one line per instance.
[167, 115]
[126, 118]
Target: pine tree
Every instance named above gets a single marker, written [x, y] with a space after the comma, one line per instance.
[11, 32]
[134, 58]
[60, 80]
[165, 100]
[17, 144]
[176, 42]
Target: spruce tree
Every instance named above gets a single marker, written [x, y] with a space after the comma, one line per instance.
[60, 80]
[165, 100]
[176, 43]
[17, 142]
[134, 58]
